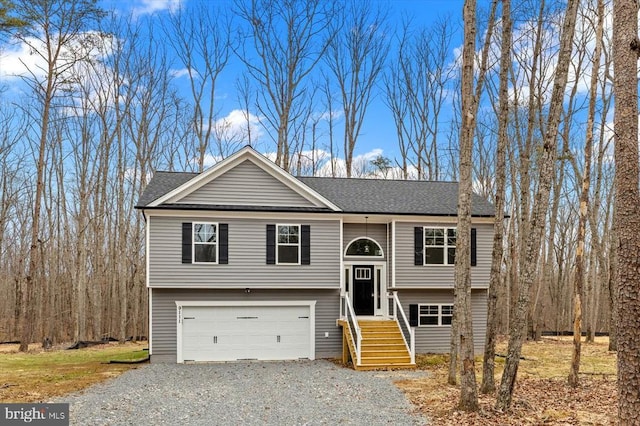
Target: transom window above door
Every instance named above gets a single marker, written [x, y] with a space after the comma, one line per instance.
[364, 247]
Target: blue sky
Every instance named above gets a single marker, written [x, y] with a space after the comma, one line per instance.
[378, 131]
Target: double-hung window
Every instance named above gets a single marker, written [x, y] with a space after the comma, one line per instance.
[435, 315]
[439, 246]
[205, 243]
[288, 244]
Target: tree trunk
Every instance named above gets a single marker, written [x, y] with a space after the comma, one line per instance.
[627, 220]
[495, 283]
[583, 211]
[462, 304]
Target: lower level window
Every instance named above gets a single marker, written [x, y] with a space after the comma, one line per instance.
[437, 315]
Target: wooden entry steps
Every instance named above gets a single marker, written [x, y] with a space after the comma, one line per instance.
[383, 346]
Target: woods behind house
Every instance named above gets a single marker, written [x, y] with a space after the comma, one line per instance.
[108, 99]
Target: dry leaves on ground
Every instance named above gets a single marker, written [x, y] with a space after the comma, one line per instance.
[542, 396]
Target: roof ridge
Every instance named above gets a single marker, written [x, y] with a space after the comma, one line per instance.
[378, 179]
[177, 172]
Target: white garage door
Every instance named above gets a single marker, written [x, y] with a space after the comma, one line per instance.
[230, 333]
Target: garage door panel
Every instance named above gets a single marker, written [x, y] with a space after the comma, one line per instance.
[228, 333]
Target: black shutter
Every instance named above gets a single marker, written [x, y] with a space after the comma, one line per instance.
[271, 244]
[418, 245]
[305, 245]
[473, 247]
[413, 315]
[187, 235]
[223, 240]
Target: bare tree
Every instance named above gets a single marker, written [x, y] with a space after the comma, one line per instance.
[534, 236]
[356, 56]
[584, 203]
[288, 39]
[417, 84]
[201, 39]
[56, 35]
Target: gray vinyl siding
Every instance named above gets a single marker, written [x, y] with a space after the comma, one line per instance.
[246, 184]
[437, 339]
[247, 256]
[408, 275]
[164, 338]
[377, 232]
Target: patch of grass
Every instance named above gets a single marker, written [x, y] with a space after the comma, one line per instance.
[42, 375]
[424, 361]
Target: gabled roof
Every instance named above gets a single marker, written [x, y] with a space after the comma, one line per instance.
[172, 189]
[347, 195]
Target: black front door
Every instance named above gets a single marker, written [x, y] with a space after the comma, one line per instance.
[363, 290]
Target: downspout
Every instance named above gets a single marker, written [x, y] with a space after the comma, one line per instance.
[150, 319]
[342, 288]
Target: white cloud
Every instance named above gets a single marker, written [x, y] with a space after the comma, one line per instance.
[230, 133]
[148, 7]
[16, 60]
[177, 73]
[326, 115]
[22, 58]
[238, 125]
[210, 160]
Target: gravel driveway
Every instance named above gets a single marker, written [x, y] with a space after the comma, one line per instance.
[246, 393]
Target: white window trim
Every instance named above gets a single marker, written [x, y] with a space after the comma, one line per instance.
[439, 305]
[349, 263]
[362, 273]
[299, 244]
[193, 243]
[445, 247]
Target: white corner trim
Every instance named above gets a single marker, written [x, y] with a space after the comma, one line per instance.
[146, 243]
[150, 321]
[246, 153]
[393, 254]
[342, 276]
[310, 303]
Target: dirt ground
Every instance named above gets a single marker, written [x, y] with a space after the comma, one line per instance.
[542, 395]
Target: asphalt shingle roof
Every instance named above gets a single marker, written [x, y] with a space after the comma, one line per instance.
[395, 196]
[373, 196]
[162, 183]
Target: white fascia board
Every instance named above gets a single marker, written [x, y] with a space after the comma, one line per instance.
[232, 214]
[247, 153]
[245, 286]
[309, 303]
[448, 220]
[147, 222]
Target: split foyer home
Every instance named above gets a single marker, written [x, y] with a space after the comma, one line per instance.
[246, 261]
